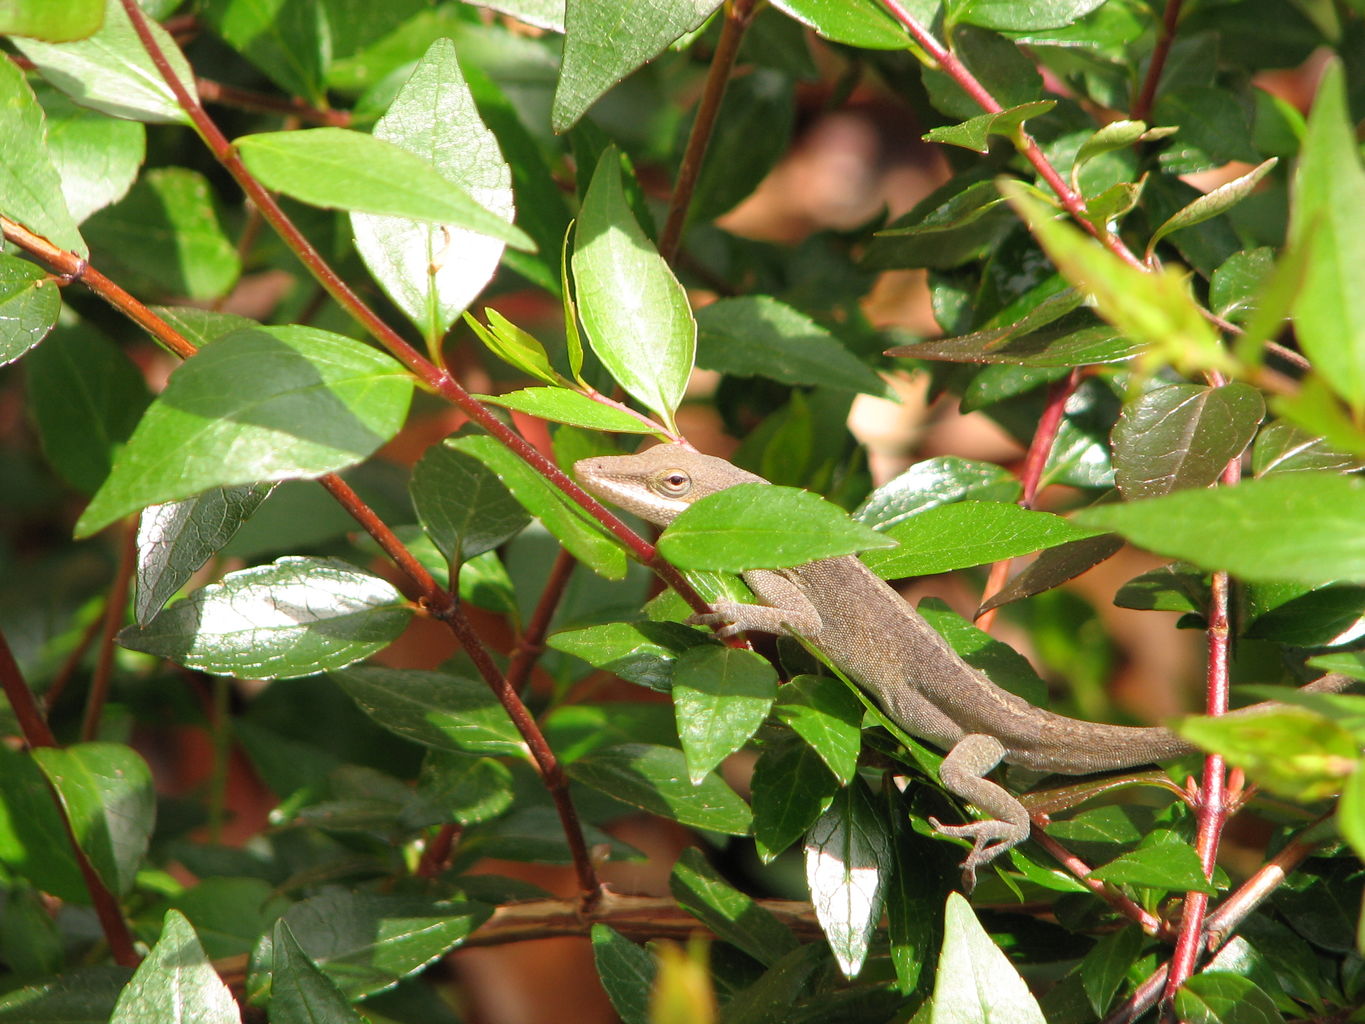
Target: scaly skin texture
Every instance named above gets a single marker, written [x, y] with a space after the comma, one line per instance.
[865, 628]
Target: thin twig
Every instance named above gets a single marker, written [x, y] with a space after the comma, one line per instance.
[1142, 107]
[245, 99]
[1147, 921]
[115, 611]
[531, 644]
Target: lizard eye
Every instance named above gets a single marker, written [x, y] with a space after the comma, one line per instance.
[673, 482]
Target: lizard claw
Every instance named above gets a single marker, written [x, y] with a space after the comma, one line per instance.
[989, 840]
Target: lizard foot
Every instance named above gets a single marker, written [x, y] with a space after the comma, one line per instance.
[989, 838]
[723, 623]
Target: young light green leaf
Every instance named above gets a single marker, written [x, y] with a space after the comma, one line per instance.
[560, 405]
[1182, 436]
[259, 404]
[300, 993]
[1115, 135]
[734, 916]
[975, 132]
[967, 533]
[175, 540]
[1328, 222]
[29, 305]
[627, 973]
[634, 310]
[1242, 529]
[96, 157]
[760, 526]
[176, 982]
[112, 72]
[604, 42]
[433, 271]
[975, 981]
[462, 505]
[573, 341]
[337, 168]
[515, 347]
[654, 779]
[295, 617]
[848, 861]
[1212, 203]
[40, 19]
[106, 791]
[722, 695]
[30, 190]
[436, 709]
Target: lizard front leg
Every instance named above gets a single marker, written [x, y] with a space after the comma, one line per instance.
[785, 609]
[962, 770]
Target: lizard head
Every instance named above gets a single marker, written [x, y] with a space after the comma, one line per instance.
[658, 483]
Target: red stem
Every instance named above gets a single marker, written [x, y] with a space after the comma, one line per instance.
[531, 645]
[1142, 108]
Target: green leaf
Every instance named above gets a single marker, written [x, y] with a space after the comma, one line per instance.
[55, 24]
[1328, 221]
[1107, 964]
[626, 971]
[1284, 448]
[176, 982]
[30, 190]
[633, 309]
[1243, 529]
[950, 226]
[761, 526]
[828, 716]
[864, 23]
[261, 403]
[1011, 16]
[290, 42]
[300, 993]
[1350, 812]
[365, 942]
[433, 271]
[604, 41]
[1220, 997]
[655, 779]
[34, 843]
[1183, 436]
[758, 336]
[570, 525]
[733, 916]
[436, 709]
[106, 791]
[175, 540]
[96, 157]
[230, 913]
[462, 505]
[515, 347]
[975, 132]
[1291, 751]
[295, 617]
[29, 304]
[164, 237]
[466, 788]
[560, 405]
[938, 481]
[638, 652]
[1212, 203]
[721, 695]
[1154, 310]
[968, 533]
[1214, 128]
[85, 995]
[1172, 865]
[337, 168]
[848, 861]
[111, 71]
[975, 981]
[791, 787]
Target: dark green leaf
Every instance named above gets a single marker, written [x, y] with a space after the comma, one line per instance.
[1213, 129]
[462, 505]
[1169, 864]
[84, 996]
[1218, 997]
[848, 860]
[1010, 16]
[1284, 448]
[950, 226]
[722, 695]
[466, 788]
[29, 305]
[290, 42]
[1054, 567]
[295, 617]
[1212, 203]
[627, 973]
[299, 992]
[752, 132]
[975, 132]
[230, 914]
[732, 915]
[791, 787]
[176, 982]
[655, 779]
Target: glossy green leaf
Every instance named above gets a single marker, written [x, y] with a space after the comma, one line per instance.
[633, 309]
[96, 157]
[433, 271]
[791, 787]
[1010, 16]
[86, 397]
[436, 709]
[856, 22]
[367, 941]
[55, 24]
[164, 237]
[975, 132]
[34, 843]
[758, 336]
[462, 505]
[111, 71]
[1220, 997]
[1183, 436]
[262, 403]
[654, 779]
[950, 226]
[627, 973]
[1242, 529]
[29, 304]
[1328, 221]
[30, 190]
[337, 168]
[1284, 448]
[1214, 128]
[828, 716]
[466, 788]
[968, 533]
[175, 540]
[1107, 964]
[560, 405]
[639, 652]
[300, 993]
[733, 916]
[605, 41]
[848, 861]
[1053, 567]
[295, 617]
[937, 481]
[975, 981]
[759, 526]
[515, 347]
[106, 791]
[565, 520]
[85, 995]
[1172, 865]
[176, 982]
[201, 327]
[1212, 203]
[722, 695]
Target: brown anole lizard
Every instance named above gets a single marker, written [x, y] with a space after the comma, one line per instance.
[872, 635]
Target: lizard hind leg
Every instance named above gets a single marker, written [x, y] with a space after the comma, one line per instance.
[1007, 823]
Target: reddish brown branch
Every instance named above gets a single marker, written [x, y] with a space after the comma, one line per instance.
[21, 700]
[115, 611]
[1142, 107]
[531, 644]
[245, 99]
